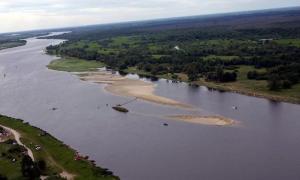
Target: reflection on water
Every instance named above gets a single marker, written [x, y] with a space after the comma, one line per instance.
[137, 145]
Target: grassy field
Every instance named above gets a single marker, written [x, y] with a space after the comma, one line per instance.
[74, 65]
[290, 42]
[58, 156]
[12, 44]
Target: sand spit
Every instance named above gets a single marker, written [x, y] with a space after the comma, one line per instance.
[204, 120]
[123, 86]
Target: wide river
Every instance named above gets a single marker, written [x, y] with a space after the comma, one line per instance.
[265, 145]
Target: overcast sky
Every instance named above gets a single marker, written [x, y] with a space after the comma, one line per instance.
[16, 15]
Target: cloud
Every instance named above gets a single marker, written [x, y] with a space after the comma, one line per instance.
[16, 15]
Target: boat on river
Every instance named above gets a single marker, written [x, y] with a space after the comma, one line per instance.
[120, 109]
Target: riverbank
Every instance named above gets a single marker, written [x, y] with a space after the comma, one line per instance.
[12, 44]
[242, 86]
[59, 158]
[256, 88]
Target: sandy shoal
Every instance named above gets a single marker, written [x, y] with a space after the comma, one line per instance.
[123, 86]
[204, 120]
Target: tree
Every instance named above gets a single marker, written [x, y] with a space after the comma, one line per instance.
[219, 73]
[29, 168]
[252, 75]
[191, 71]
[286, 84]
[274, 82]
[3, 177]
[41, 164]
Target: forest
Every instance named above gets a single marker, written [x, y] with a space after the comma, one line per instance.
[211, 48]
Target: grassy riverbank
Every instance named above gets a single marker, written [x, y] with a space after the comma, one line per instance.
[11, 44]
[243, 85]
[74, 65]
[58, 156]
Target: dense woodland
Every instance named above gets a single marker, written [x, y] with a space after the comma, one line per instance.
[209, 47]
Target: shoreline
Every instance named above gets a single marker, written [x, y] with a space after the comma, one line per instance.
[270, 97]
[210, 85]
[61, 159]
[218, 87]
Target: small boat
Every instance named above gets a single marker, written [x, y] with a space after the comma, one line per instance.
[120, 109]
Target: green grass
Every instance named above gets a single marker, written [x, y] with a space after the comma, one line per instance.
[74, 65]
[58, 156]
[119, 41]
[222, 58]
[290, 42]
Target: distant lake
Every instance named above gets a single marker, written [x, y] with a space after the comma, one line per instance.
[265, 145]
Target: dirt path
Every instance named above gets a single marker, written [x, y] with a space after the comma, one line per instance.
[17, 137]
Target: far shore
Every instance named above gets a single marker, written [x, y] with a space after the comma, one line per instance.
[222, 87]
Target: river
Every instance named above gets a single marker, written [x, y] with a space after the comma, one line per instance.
[136, 146]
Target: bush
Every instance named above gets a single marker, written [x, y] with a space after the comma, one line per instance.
[2, 177]
[29, 168]
[286, 84]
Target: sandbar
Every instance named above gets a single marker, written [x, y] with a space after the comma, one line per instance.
[122, 86]
[204, 120]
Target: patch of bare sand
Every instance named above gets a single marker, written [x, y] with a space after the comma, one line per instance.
[67, 175]
[204, 120]
[123, 86]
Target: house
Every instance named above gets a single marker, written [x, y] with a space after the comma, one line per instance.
[177, 48]
[265, 41]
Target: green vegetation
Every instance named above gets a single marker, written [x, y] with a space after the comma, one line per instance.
[289, 42]
[54, 157]
[11, 44]
[75, 65]
[8, 168]
[255, 58]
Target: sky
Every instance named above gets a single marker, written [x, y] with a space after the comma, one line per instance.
[19, 15]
